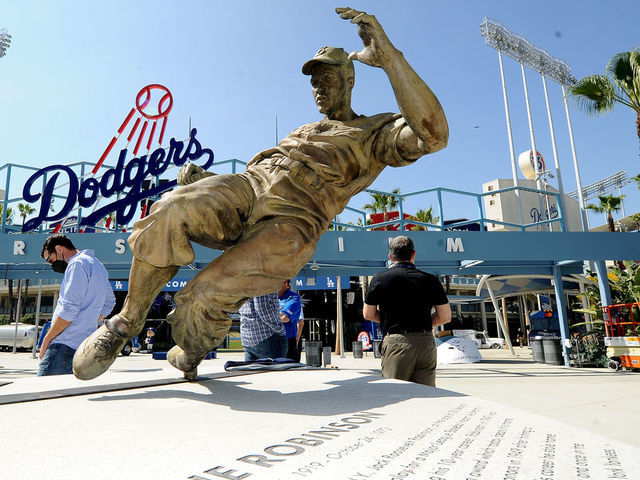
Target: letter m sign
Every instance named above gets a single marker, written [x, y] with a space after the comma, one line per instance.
[454, 245]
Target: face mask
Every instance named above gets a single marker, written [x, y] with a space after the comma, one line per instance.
[59, 266]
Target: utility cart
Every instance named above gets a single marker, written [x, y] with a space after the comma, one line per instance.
[622, 337]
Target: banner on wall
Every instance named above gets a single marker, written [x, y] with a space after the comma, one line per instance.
[173, 285]
[322, 282]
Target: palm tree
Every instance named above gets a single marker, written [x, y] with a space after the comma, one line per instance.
[636, 216]
[424, 216]
[621, 84]
[383, 202]
[9, 219]
[608, 204]
[25, 209]
[636, 219]
[337, 228]
[378, 203]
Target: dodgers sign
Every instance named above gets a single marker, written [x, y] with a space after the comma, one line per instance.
[124, 181]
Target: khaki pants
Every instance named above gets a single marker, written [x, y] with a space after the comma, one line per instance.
[410, 356]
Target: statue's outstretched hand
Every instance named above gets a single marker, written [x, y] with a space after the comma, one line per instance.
[378, 49]
[190, 173]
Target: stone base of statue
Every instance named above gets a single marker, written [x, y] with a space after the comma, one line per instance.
[308, 424]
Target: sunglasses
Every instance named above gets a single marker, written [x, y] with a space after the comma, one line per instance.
[49, 256]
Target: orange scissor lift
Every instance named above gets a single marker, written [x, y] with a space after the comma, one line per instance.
[622, 325]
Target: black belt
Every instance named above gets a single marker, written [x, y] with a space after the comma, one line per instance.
[404, 332]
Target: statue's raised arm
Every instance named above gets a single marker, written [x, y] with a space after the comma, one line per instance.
[427, 130]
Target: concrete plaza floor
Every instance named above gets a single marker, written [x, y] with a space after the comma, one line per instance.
[593, 399]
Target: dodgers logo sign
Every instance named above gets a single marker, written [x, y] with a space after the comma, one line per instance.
[125, 180]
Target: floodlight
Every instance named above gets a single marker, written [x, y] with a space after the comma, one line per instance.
[606, 185]
[522, 51]
[5, 41]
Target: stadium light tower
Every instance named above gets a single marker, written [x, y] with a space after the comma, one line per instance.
[5, 41]
[522, 51]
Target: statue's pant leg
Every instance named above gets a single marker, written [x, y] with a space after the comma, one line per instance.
[145, 283]
[266, 255]
[210, 212]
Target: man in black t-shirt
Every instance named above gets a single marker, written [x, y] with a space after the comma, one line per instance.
[401, 299]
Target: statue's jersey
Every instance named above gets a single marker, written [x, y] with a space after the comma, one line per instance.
[305, 181]
[314, 171]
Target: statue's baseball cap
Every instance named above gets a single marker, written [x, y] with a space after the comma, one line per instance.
[330, 56]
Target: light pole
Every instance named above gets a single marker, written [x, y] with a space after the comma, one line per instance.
[522, 51]
[5, 41]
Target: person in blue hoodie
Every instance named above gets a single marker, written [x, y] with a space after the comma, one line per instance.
[85, 299]
[290, 314]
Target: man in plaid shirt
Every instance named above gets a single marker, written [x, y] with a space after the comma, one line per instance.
[261, 331]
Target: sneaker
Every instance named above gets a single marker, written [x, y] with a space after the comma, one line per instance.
[96, 354]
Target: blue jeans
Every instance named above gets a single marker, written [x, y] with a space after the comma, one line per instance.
[273, 347]
[57, 360]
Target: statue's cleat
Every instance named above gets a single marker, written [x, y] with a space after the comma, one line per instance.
[188, 364]
[96, 354]
[191, 375]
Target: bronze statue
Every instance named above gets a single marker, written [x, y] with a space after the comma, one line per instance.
[269, 218]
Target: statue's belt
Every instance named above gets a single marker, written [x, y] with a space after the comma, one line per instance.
[298, 170]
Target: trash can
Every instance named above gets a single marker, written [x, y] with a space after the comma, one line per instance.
[313, 353]
[552, 351]
[357, 349]
[326, 356]
[537, 350]
[377, 345]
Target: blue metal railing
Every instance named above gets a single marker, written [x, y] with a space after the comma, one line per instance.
[482, 219]
[13, 170]
[401, 223]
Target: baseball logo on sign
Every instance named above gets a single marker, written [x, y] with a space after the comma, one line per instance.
[151, 112]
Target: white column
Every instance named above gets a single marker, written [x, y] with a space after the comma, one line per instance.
[18, 317]
[500, 319]
[37, 337]
[621, 203]
[585, 219]
[532, 137]
[339, 312]
[483, 315]
[555, 151]
[514, 169]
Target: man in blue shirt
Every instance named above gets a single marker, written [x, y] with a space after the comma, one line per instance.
[290, 309]
[261, 330]
[85, 299]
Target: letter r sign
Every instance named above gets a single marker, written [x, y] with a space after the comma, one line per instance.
[18, 247]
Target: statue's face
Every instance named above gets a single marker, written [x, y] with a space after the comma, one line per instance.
[330, 90]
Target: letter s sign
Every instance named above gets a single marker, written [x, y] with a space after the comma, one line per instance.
[120, 246]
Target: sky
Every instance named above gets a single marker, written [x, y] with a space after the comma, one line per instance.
[74, 68]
